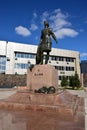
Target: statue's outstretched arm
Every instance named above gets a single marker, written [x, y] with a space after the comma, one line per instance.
[54, 36]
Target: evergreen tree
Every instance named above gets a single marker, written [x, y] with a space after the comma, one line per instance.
[74, 81]
[64, 81]
[77, 81]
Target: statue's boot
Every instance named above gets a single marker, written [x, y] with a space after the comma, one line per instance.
[42, 58]
[47, 58]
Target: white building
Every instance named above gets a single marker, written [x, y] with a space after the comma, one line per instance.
[15, 58]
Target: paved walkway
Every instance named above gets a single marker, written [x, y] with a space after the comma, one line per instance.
[85, 113]
[81, 93]
[5, 93]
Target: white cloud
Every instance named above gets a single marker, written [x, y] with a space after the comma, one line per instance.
[63, 32]
[33, 27]
[60, 23]
[44, 16]
[57, 14]
[34, 15]
[22, 31]
[83, 54]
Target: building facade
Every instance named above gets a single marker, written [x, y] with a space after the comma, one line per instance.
[15, 58]
[83, 66]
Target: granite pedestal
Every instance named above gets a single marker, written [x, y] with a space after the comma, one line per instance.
[42, 75]
[57, 111]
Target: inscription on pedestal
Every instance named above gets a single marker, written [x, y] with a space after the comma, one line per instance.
[42, 75]
[38, 74]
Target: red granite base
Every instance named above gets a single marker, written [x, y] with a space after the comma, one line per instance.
[64, 108]
[37, 120]
[62, 102]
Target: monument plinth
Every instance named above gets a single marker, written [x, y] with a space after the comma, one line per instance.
[42, 75]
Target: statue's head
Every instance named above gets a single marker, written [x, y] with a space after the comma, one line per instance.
[46, 23]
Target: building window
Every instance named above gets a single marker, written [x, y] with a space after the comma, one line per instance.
[58, 58]
[68, 68]
[60, 67]
[50, 58]
[24, 55]
[68, 59]
[56, 67]
[2, 64]
[72, 68]
[60, 77]
[72, 60]
[61, 58]
[53, 57]
[21, 66]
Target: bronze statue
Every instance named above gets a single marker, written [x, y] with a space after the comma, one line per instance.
[45, 44]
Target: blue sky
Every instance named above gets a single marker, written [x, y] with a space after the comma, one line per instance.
[22, 21]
